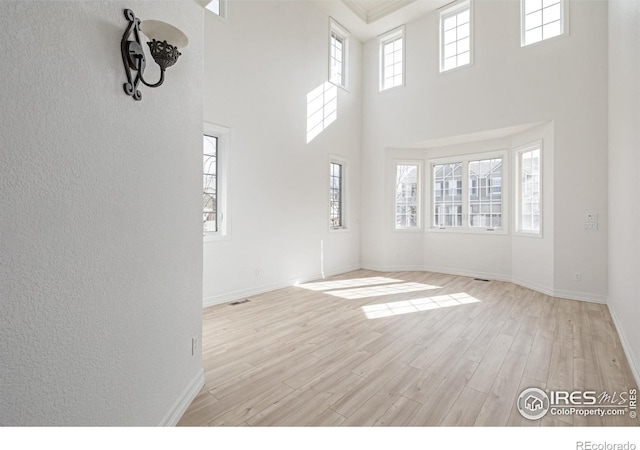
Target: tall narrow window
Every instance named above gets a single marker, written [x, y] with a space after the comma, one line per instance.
[338, 53]
[392, 59]
[215, 168]
[485, 193]
[455, 37]
[529, 218]
[542, 19]
[336, 195]
[407, 204]
[210, 184]
[447, 195]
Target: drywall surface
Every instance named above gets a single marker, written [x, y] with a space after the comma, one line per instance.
[561, 81]
[624, 163]
[260, 65]
[100, 243]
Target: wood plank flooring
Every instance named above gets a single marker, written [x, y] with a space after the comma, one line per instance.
[402, 349]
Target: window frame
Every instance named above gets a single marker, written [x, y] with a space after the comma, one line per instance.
[465, 160]
[336, 28]
[344, 193]
[518, 152]
[454, 10]
[223, 8]
[564, 23]
[384, 39]
[223, 135]
[419, 190]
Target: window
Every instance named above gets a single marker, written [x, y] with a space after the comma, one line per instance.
[392, 59]
[215, 142]
[455, 37]
[485, 196]
[447, 195]
[338, 54]
[529, 217]
[407, 189]
[467, 193]
[210, 181]
[337, 195]
[542, 19]
[218, 7]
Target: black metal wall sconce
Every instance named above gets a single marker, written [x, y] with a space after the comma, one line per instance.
[165, 39]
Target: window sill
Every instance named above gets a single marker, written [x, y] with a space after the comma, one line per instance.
[529, 235]
[482, 231]
[208, 238]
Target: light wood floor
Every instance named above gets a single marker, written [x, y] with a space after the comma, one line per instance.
[352, 351]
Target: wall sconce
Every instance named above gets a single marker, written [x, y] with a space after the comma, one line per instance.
[164, 44]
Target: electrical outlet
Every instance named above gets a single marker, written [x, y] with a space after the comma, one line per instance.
[195, 345]
[591, 217]
[577, 276]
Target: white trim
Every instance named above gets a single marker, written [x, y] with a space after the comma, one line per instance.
[223, 156]
[261, 289]
[633, 363]
[173, 416]
[338, 29]
[383, 39]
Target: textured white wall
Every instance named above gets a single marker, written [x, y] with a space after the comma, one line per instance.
[563, 81]
[259, 67]
[624, 165]
[100, 243]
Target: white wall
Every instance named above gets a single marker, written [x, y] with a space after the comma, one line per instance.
[259, 66]
[562, 81]
[100, 243]
[624, 164]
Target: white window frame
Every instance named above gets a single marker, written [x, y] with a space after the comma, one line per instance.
[519, 151]
[564, 23]
[382, 41]
[342, 33]
[223, 134]
[419, 164]
[455, 9]
[224, 9]
[465, 159]
[334, 159]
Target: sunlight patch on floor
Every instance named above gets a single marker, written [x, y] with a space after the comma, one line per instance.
[346, 284]
[417, 305]
[377, 291]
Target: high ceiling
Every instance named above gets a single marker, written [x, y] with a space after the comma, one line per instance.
[366, 19]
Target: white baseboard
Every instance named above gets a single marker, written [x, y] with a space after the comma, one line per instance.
[633, 363]
[261, 289]
[580, 296]
[569, 295]
[174, 414]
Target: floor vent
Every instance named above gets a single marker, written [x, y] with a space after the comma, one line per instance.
[481, 279]
[239, 302]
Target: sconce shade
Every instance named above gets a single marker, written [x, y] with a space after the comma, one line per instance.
[162, 31]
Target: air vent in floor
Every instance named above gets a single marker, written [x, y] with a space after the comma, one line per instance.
[239, 302]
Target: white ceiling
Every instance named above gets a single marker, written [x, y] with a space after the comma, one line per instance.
[366, 19]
